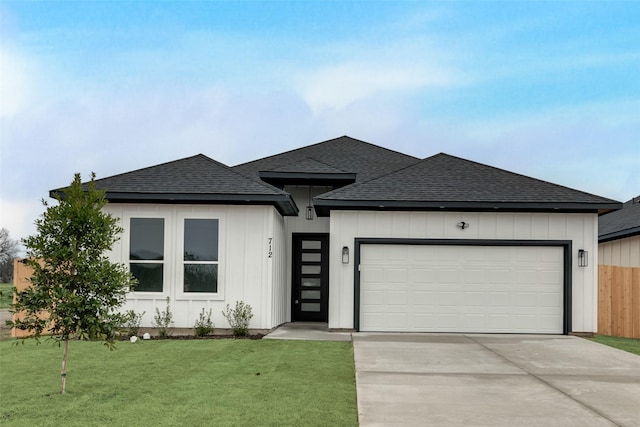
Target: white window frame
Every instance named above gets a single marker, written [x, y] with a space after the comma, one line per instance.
[180, 294]
[168, 257]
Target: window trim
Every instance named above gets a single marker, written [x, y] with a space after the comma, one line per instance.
[180, 294]
[167, 268]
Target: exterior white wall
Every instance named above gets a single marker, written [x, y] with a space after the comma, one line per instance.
[302, 196]
[622, 252]
[581, 229]
[278, 262]
[250, 267]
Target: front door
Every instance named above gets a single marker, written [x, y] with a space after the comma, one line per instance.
[310, 278]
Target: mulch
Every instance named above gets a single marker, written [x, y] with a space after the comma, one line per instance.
[208, 337]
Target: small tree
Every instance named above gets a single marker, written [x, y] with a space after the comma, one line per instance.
[8, 251]
[73, 280]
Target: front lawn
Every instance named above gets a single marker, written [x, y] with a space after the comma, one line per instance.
[632, 345]
[174, 382]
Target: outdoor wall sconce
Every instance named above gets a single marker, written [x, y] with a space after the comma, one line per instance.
[309, 205]
[345, 255]
[463, 225]
[583, 258]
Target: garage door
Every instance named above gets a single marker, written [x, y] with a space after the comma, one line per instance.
[443, 288]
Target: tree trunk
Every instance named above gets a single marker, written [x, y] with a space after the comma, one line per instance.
[63, 372]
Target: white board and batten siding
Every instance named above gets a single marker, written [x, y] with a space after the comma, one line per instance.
[622, 252]
[251, 267]
[528, 308]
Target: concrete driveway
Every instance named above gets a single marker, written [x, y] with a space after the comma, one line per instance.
[494, 380]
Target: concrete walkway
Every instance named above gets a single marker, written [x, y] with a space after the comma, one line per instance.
[494, 380]
[306, 331]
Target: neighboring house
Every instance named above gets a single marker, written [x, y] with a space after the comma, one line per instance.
[361, 237]
[619, 236]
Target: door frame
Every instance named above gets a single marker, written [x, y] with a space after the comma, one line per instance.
[565, 244]
[296, 259]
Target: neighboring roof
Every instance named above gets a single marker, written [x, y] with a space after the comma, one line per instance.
[196, 179]
[445, 182]
[622, 223]
[346, 154]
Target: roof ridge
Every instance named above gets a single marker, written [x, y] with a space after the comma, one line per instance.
[255, 180]
[160, 164]
[205, 158]
[327, 164]
[319, 143]
[357, 184]
[516, 173]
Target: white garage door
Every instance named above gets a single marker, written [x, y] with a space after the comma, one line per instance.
[436, 288]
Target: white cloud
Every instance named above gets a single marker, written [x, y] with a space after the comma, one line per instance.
[18, 217]
[16, 82]
[337, 86]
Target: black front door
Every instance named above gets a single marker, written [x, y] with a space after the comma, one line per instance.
[310, 278]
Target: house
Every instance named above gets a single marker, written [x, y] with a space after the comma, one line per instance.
[619, 236]
[360, 237]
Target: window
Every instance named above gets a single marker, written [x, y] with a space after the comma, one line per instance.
[200, 255]
[146, 253]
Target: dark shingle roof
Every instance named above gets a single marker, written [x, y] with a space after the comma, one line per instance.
[622, 223]
[196, 179]
[308, 165]
[345, 154]
[365, 176]
[447, 182]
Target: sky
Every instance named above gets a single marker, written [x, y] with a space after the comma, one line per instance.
[549, 89]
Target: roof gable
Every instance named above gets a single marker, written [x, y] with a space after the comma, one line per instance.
[448, 182]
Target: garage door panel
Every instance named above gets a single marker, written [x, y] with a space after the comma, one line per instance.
[461, 289]
[396, 275]
[450, 276]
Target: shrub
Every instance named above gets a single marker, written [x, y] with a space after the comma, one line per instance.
[132, 322]
[239, 318]
[163, 320]
[204, 325]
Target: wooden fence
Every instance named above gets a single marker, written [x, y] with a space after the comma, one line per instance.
[619, 301]
[21, 280]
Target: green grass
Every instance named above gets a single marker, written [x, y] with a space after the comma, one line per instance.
[173, 382]
[632, 345]
[6, 295]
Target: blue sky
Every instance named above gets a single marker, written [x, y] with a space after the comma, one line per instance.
[549, 89]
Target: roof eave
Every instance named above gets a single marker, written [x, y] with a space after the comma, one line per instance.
[307, 178]
[323, 207]
[283, 203]
[621, 234]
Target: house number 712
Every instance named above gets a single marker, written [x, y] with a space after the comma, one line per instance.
[270, 250]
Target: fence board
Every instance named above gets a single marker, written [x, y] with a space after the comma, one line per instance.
[21, 281]
[619, 301]
[604, 300]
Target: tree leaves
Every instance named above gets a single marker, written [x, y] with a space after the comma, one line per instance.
[75, 290]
